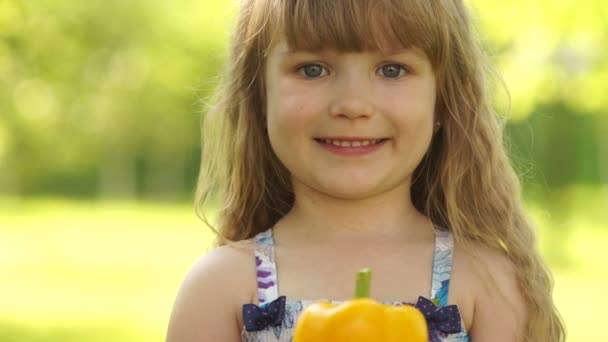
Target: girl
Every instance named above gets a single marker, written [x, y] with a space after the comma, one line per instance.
[359, 133]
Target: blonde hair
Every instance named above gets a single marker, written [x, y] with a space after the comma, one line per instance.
[465, 182]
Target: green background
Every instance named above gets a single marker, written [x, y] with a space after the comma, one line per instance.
[99, 150]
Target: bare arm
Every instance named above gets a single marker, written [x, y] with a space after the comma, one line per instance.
[500, 311]
[208, 302]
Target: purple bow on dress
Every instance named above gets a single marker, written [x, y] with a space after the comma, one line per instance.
[445, 318]
[258, 318]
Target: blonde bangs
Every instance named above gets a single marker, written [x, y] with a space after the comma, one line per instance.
[349, 25]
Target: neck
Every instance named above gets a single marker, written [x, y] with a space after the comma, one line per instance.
[386, 216]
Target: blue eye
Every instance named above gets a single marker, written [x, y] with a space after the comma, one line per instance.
[312, 70]
[392, 71]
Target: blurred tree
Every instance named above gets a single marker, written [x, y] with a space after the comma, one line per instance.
[100, 97]
[554, 58]
[549, 51]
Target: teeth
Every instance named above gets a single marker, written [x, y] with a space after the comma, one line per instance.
[341, 143]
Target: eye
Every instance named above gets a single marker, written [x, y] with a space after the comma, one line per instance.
[312, 70]
[392, 71]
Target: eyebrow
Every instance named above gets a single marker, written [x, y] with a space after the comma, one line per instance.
[409, 50]
[387, 52]
[289, 52]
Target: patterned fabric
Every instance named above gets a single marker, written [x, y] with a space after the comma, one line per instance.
[266, 267]
[437, 312]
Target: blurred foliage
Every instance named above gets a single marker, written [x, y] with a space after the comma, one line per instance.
[100, 98]
[553, 56]
[550, 52]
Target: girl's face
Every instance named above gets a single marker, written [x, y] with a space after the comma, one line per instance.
[350, 125]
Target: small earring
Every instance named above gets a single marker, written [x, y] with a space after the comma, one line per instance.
[437, 126]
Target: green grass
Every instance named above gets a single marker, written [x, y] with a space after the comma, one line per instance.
[109, 271]
[575, 242]
[76, 271]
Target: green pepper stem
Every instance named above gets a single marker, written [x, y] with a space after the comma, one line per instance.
[364, 282]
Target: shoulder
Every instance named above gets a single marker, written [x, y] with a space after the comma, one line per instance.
[209, 300]
[498, 307]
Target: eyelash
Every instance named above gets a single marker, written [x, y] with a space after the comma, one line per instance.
[403, 70]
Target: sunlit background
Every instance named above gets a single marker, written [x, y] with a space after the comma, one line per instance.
[99, 149]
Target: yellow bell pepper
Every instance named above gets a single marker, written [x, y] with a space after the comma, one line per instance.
[361, 320]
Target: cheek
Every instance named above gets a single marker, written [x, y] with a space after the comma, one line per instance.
[287, 121]
[290, 122]
[424, 107]
[413, 112]
[285, 117]
[291, 113]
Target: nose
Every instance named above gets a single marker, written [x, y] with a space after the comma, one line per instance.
[352, 97]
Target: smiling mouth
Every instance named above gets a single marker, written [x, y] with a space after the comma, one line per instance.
[350, 142]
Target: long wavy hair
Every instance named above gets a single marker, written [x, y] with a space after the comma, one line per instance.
[465, 181]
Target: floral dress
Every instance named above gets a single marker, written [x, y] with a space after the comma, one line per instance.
[275, 317]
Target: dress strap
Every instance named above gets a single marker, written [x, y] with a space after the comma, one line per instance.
[266, 268]
[442, 266]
